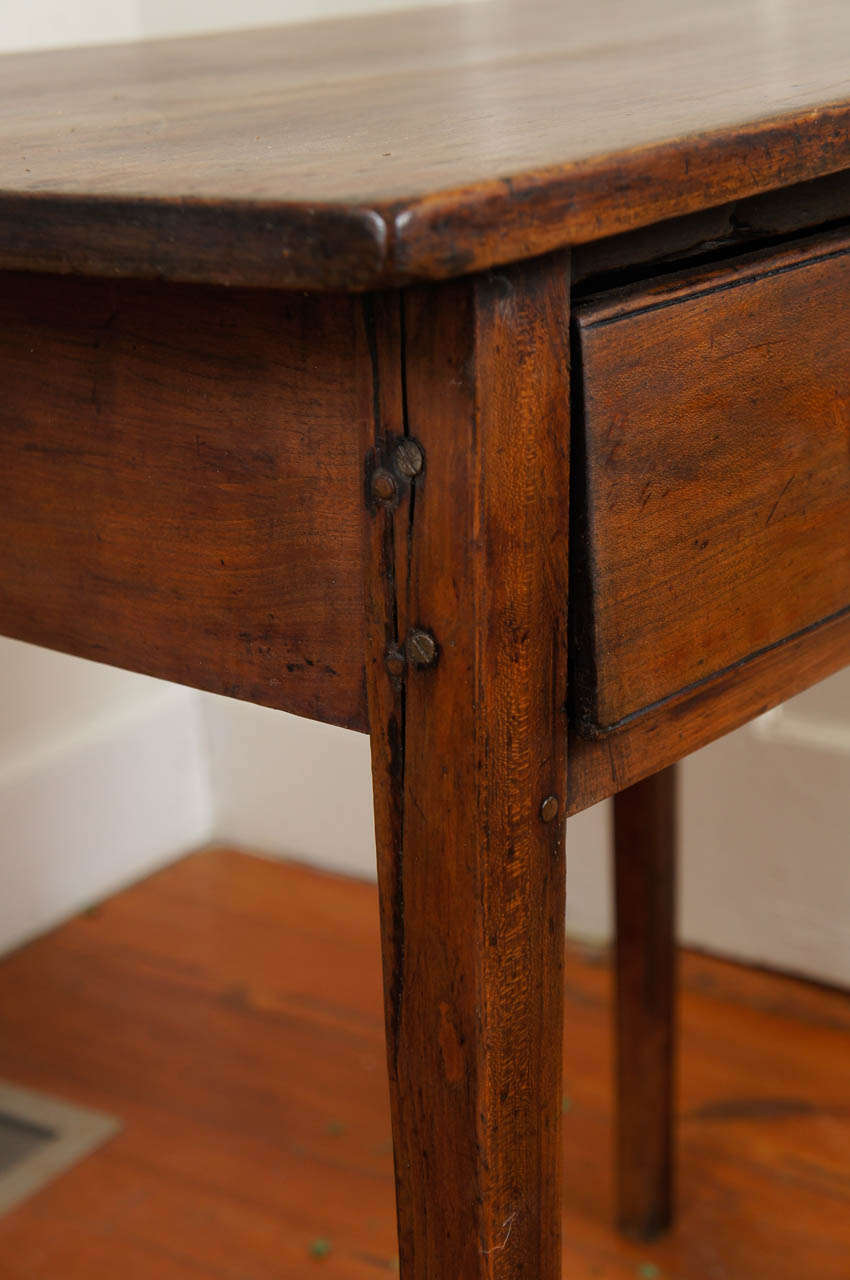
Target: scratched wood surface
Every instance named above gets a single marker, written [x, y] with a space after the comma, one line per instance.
[465, 752]
[716, 471]
[181, 486]
[420, 144]
[229, 1011]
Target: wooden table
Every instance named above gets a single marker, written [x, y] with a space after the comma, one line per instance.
[286, 327]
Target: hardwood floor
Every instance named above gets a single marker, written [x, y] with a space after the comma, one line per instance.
[229, 1010]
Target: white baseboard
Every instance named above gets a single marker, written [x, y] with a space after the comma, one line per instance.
[100, 809]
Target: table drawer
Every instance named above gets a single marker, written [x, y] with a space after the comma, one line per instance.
[712, 521]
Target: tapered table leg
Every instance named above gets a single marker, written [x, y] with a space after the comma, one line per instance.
[645, 876]
[466, 598]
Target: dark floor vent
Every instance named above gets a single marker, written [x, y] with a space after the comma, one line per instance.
[40, 1138]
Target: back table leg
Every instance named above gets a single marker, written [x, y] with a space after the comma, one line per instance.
[466, 598]
[645, 875]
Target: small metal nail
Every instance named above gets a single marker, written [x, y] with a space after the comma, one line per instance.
[421, 647]
[394, 660]
[549, 808]
[408, 458]
[383, 485]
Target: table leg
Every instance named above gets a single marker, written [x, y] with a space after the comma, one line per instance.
[466, 601]
[645, 875]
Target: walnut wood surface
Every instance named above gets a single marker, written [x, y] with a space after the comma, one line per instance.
[728, 229]
[645, 822]
[717, 470]
[602, 766]
[181, 486]
[422, 144]
[464, 754]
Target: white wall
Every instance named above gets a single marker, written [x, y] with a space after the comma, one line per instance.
[104, 774]
[766, 838]
[44, 24]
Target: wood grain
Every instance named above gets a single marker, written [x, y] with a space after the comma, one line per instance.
[645, 829]
[371, 151]
[181, 486]
[717, 468]
[727, 229]
[465, 751]
[602, 766]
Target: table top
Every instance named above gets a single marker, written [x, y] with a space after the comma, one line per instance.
[421, 144]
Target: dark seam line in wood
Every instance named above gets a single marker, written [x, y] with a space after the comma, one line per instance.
[405, 419]
[590, 730]
[397, 992]
[581, 625]
[751, 278]
[372, 341]
[394, 731]
[397, 995]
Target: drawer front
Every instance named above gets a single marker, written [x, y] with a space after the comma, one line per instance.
[715, 519]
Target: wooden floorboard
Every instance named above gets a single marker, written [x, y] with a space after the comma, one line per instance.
[228, 1009]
